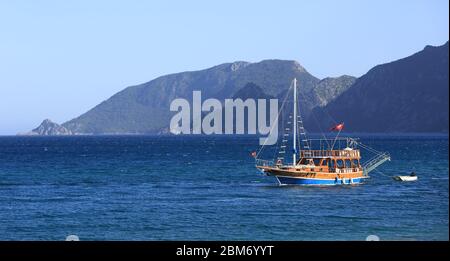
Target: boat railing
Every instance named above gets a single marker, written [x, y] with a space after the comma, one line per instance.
[346, 170]
[375, 162]
[330, 153]
[264, 163]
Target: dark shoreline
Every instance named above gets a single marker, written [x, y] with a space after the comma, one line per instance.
[343, 134]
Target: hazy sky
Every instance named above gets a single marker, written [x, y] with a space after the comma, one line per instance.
[60, 58]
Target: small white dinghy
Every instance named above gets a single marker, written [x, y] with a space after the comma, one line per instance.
[411, 177]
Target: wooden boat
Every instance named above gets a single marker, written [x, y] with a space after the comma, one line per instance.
[326, 164]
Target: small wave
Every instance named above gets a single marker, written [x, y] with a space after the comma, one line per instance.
[228, 200]
[350, 217]
[6, 184]
[253, 184]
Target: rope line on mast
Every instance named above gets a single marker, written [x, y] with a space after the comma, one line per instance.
[276, 120]
[379, 172]
[369, 148]
[317, 122]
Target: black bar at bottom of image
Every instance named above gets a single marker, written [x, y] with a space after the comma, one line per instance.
[202, 250]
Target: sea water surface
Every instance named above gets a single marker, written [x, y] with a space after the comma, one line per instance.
[207, 188]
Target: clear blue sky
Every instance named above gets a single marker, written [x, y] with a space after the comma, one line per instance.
[60, 58]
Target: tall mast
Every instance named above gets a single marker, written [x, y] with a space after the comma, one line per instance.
[294, 160]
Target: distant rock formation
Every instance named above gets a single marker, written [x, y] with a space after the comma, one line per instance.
[49, 128]
[330, 88]
[407, 95]
[144, 108]
[253, 91]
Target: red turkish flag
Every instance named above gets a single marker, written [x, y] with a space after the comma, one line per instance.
[338, 127]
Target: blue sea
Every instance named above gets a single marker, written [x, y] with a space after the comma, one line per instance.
[207, 188]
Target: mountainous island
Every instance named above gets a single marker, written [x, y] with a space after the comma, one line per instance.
[49, 128]
[407, 95]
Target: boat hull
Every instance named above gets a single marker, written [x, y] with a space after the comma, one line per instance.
[307, 177]
[320, 182]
